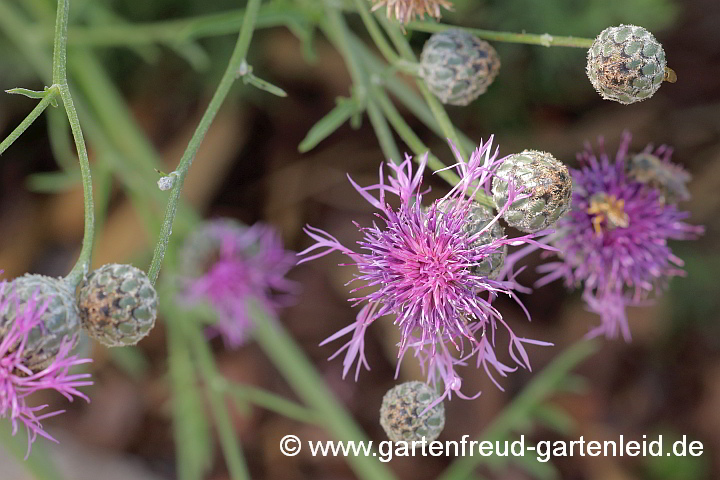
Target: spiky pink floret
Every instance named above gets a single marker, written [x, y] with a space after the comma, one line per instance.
[17, 382]
[251, 263]
[417, 267]
[617, 264]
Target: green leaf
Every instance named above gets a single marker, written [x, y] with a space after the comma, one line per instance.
[27, 93]
[264, 85]
[53, 182]
[344, 109]
[130, 360]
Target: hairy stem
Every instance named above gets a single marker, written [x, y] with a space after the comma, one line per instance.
[545, 40]
[226, 82]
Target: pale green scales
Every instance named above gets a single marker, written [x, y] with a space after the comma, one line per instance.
[626, 64]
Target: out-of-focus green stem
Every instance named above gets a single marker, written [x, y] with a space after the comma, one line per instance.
[516, 414]
[50, 95]
[272, 402]
[292, 363]
[228, 439]
[226, 82]
[545, 40]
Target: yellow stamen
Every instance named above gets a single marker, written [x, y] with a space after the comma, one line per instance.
[608, 209]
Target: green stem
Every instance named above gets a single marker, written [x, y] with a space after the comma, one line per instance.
[59, 63]
[83, 263]
[545, 40]
[516, 414]
[223, 422]
[49, 97]
[273, 402]
[59, 78]
[223, 88]
[292, 363]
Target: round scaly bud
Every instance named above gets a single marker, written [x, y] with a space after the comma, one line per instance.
[667, 178]
[60, 319]
[457, 66]
[118, 305]
[544, 178]
[478, 218]
[626, 64]
[400, 413]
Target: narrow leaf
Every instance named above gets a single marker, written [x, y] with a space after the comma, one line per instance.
[344, 109]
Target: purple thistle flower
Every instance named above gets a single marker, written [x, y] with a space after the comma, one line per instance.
[18, 382]
[226, 264]
[418, 267]
[614, 239]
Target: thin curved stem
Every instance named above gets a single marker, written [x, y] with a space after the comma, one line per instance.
[59, 77]
[545, 39]
[226, 82]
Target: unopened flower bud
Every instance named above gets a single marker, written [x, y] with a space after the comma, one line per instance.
[59, 320]
[457, 66]
[400, 413]
[544, 178]
[668, 179]
[626, 64]
[118, 305]
[478, 218]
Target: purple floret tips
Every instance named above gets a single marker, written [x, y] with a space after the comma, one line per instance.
[226, 264]
[18, 382]
[614, 241]
[419, 266]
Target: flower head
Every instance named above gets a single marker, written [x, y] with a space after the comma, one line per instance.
[419, 266]
[17, 380]
[407, 10]
[614, 241]
[227, 264]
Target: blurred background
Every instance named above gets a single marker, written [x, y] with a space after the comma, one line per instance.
[667, 381]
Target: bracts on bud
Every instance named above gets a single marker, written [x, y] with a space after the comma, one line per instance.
[118, 305]
[405, 416]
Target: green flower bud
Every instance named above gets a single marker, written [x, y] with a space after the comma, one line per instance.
[478, 217]
[626, 64]
[60, 319]
[457, 66]
[118, 305]
[546, 179]
[667, 178]
[400, 413]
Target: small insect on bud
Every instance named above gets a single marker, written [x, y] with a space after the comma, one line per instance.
[667, 178]
[544, 178]
[457, 66]
[59, 320]
[118, 305]
[478, 218]
[400, 413]
[627, 64]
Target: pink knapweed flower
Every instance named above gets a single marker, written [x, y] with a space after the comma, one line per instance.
[226, 264]
[18, 382]
[418, 266]
[614, 241]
